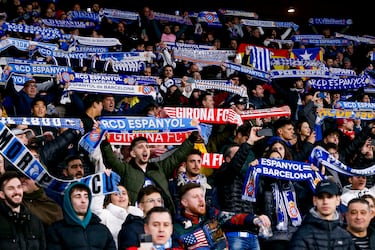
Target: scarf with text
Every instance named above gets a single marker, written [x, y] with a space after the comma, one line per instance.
[269, 24]
[135, 125]
[323, 113]
[319, 156]
[205, 115]
[279, 169]
[355, 105]
[339, 83]
[18, 155]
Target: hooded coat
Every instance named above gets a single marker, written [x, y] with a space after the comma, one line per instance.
[74, 233]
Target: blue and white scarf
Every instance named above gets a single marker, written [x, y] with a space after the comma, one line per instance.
[18, 154]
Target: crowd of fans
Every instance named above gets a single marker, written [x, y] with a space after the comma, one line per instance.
[167, 191]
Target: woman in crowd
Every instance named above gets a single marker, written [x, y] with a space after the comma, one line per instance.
[114, 210]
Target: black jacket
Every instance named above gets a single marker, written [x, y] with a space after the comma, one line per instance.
[316, 233]
[130, 231]
[229, 180]
[75, 233]
[20, 231]
[65, 234]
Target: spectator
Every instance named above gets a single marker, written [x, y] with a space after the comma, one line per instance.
[284, 131]
[292, 96]
[39, 109]
[73, 167]
[192, 173]
[358, 219]
[271, 200]
[321, 228]
[355, 189]
[256, 95]
[229, 182]
[371, 201]
[37, 201]
[139, 172]
[22, 99]
[115, 210]
[20, 229]
[158, 224]
[80, 228]
[195, 216]
[129, 234]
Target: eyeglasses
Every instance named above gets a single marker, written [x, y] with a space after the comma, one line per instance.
[151, 200]
[32, 86]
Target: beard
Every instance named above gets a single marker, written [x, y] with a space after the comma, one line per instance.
[198, 210]
[12, 203]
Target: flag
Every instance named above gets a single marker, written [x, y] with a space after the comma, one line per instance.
[280, 53]
[259, 58]
[307, 54]
[195, 239]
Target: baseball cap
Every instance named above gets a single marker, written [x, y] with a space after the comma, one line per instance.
[327, 186]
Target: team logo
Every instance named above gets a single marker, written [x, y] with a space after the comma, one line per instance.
[66, 77]
[210, 17]
[95, 135]
[146, 90]
[293, 211]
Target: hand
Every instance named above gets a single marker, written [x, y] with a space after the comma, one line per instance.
[49, 136]
[253, 135]
[265, 220]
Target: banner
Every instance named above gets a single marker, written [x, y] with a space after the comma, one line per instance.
[205, 115]
[263, 113]
[345, 113]
[340, 83]
[165, 138]
[73, 123]
[17, 153]
[136, 125]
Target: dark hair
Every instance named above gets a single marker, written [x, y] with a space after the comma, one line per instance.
[329, 145]
[70, 158]
[90, 99]
[368, 196]
[203, 95]
[244, 130]
[28, 82]
[38, 99]
[288, 154]
[358, 200]
[80, 186]
[150, 189]
[229, 149]
[330, 131]
[107, 198]
[136, 140]
[156, 210]
[187, 187]
[194, 151]
[268, 153]
[299, 124]
[281, 122]
[8, 175]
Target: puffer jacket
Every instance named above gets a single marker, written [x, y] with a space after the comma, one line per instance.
[20, 231]
[74, 233]
[229, 180]
[130, 231]
[318, 234]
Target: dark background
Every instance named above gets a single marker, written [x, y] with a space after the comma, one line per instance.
[359, 11]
